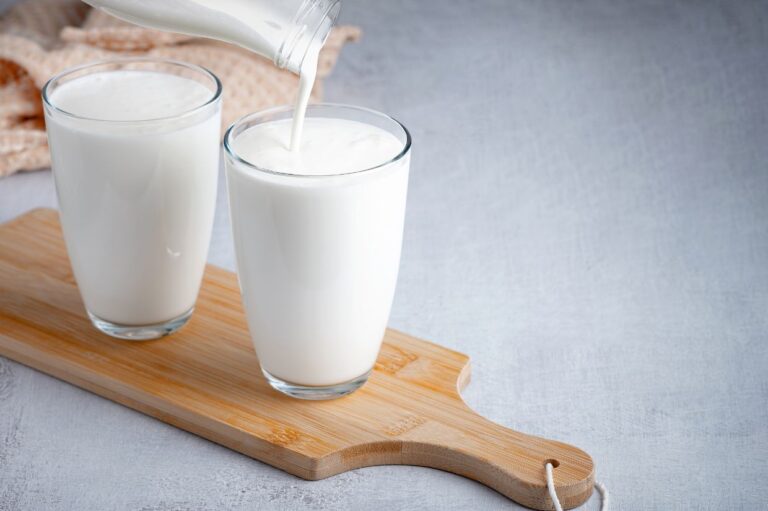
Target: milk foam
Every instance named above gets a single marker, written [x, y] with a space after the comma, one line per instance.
[129, 95]
[328, 146]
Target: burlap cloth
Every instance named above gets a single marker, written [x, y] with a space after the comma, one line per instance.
[39, 38]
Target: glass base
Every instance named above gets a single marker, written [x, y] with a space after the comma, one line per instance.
[316, 393]
[141, 332]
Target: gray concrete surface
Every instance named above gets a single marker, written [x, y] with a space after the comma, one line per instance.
[587, 218]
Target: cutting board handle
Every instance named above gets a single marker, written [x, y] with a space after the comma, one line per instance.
[470, 445]
[513, 463]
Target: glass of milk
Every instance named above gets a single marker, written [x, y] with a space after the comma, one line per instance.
[318, 233]
[135, 156]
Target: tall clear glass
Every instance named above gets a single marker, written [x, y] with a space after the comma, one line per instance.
[317, 258]
[136, 190]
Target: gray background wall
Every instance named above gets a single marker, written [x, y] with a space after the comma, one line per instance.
[587, 218]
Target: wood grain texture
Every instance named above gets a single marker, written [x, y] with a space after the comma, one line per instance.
[206, 379]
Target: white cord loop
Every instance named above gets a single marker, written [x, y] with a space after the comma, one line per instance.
[601, 489]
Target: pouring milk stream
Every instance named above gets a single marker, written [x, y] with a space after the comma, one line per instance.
[289, 32]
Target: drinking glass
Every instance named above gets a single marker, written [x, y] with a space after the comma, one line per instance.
[137, 196]
[317, 258]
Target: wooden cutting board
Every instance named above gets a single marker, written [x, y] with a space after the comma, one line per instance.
[206, 379]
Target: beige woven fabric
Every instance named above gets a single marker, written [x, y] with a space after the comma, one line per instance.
[39, 38]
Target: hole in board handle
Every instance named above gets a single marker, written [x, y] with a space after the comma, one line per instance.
[554, 463]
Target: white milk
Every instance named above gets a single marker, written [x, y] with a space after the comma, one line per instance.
[317, 256]
[137, 198]
[306, 83]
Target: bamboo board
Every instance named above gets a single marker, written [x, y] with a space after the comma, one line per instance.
[206, 379]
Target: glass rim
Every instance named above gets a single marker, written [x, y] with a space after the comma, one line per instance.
[230, 151]
[215, 94]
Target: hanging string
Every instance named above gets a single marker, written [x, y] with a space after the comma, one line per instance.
[601, 489]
